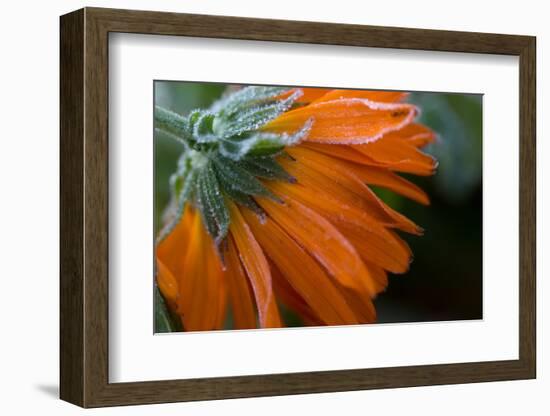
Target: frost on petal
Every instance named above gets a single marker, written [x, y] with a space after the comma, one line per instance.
[346, 121]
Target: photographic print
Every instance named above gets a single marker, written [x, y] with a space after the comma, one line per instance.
[285, 212]
[289, 206]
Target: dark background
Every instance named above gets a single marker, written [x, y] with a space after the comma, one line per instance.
[445, 278]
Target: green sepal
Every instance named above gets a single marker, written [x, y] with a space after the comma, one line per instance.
[248, 202]
[252, 118]
[182, 186]
[267, 168]
[242, 199]
[212, 204]
[239, 179]
[262, 143]
[203, 130]
[165, 321]
[246, 98]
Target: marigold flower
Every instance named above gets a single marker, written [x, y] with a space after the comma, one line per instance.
[272, 204]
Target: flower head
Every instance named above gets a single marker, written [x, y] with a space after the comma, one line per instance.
[272, 204]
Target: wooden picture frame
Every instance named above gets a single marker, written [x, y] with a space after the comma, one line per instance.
[85, 218]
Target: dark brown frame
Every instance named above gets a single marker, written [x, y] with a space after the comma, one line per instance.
[84, 207]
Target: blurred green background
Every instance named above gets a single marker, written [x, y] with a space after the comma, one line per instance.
[445, 279]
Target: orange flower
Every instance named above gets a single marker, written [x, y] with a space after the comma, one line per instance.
[326, 242]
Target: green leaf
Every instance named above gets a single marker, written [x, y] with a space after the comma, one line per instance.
[164, 321]
[212, 204]
[237, 178]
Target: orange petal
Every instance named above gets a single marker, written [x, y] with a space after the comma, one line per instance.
[370, 238]
[322, 240]
[167, 284]
[407, 140]
[302, 272]
[307, 94]
[380, 273]
[415, 133]
[221, 302]
[311, 94]
[244, 312]
[257, 269]
[200, 284]
[360, 305]
[382, 177]
[398, 150]
[389, 252]
[334, 177]
[291, 299]
[372, 175]
[193, 269]
[379, 96]
[343, 151]
[171, 251]
[330, 204]
[346, 121]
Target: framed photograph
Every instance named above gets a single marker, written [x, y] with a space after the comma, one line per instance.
[263, 207]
